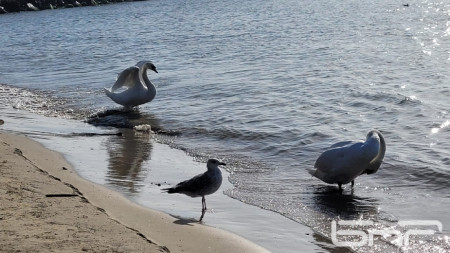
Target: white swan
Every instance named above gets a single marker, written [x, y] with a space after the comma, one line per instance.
[345, 161]
[138, 88]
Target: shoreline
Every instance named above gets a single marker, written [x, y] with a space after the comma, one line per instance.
[104, 160]
[151, 229]
[15, 6]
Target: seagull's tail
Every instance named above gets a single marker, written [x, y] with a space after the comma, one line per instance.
[169, 190]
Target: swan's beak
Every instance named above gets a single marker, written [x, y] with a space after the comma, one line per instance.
[221, 163]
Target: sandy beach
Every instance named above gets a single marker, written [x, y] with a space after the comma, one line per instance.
[47, 207]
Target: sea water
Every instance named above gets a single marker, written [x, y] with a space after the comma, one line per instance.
[266, 86]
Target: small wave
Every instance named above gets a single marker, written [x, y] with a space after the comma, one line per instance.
[32, 100]
[410, 100]
[228, 133]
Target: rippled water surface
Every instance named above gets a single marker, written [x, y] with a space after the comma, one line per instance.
[266, 86]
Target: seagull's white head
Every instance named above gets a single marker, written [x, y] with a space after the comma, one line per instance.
[214, 163]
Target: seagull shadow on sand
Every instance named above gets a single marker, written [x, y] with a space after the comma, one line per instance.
[186, 221]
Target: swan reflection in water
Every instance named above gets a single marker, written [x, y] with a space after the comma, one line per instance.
[347, 206]
[129, 152]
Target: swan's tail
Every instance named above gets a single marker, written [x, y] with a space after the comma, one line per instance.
[312, 172]
[108, 92]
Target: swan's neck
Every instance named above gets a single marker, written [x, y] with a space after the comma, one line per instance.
[376, 145]
[151, 88]
[375, 163]
[382, 150]
[372, 147]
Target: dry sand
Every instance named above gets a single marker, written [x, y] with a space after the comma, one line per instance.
[46, 207]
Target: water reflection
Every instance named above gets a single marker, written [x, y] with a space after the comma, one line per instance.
[129, 152]
[123, 118]
[346, 205]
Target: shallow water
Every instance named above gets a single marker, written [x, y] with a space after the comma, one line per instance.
[264, 85]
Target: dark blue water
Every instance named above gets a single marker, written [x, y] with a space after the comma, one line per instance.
[266, 86]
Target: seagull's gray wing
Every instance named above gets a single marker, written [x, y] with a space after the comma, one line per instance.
[127, 78]
[192, 185]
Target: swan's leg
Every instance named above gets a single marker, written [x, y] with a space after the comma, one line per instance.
[353, 183]
[340, 187]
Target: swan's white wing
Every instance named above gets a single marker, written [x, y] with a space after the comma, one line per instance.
[127, 79]
[335, 155]
[342, 144]
[340, 164]
[329, 157]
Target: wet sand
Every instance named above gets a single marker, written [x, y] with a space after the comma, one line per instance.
[46, 206]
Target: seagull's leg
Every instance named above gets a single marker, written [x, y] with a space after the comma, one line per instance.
[353, 183]
[203, 207]
[204, 202]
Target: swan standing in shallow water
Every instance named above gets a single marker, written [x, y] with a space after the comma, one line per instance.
[345, 161]
[138, 88]
[201, 185]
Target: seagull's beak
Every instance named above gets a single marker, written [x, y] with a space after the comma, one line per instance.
[221, 163]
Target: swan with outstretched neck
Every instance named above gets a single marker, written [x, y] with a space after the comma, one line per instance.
[345, 161]
[138, 88]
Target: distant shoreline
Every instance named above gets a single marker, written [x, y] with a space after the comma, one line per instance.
[11, 6]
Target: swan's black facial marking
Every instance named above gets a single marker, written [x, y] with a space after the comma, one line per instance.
[152, 67]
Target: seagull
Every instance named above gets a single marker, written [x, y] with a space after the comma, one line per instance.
[344, 161]
[202, 184]
[138, 88]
